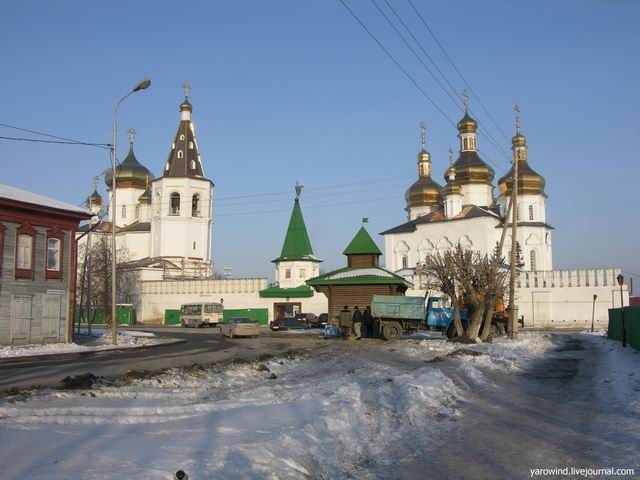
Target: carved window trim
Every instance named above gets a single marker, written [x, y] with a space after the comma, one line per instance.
[57, 234]
[2, 229]
[27, 230]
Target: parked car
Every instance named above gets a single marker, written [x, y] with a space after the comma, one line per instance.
[311, 319]
[286, 323]
[323, 318]
[240, 327]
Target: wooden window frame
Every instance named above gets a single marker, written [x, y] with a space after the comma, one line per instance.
[57, 234]
[29, 231]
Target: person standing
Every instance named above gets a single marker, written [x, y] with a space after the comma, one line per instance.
[357, 321]
[345, 322]
[367, 323]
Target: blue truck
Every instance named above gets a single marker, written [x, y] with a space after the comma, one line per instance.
[398, 315]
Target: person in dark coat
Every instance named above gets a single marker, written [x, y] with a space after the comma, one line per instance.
[357, 322]
[345, 322]
[367, 323]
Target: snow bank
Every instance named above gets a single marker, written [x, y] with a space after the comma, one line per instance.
[126, 339]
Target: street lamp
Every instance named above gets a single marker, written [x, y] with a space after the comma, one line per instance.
[620, 279]
[142, 85]
[593, 312]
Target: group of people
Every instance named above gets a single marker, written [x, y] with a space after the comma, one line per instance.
[359, 323]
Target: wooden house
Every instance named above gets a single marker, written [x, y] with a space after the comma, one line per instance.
[37, 267]
[361, 279]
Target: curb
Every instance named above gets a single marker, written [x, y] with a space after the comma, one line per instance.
[8, 361]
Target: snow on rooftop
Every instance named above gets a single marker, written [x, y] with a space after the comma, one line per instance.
[17, 194]
[361, 272]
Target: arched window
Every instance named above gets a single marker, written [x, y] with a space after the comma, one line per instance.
[195, 205]
[530, 212]
[464, 144]
[405, 261]
[124, 211]
[193, 164]
[174, 204]
[532, 260]
[191, 145]
[180, 154]
[181, 137]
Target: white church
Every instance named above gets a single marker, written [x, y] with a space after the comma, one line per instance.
[466, 211]
[164, 223]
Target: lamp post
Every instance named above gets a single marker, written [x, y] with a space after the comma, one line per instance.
[620, 279]
[593, 312]
[142, 85]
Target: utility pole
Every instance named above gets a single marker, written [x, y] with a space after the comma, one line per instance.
[513, 309]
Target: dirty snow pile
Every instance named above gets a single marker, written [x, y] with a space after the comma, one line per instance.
[126, 339]
[351, 410]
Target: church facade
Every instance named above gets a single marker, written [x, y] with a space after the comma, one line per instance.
[163, 224]
[465, 210]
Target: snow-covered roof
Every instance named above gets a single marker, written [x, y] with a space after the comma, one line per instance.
[19, 195]
[360, 272]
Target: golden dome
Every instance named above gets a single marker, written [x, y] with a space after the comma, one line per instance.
[94, 199]
[467, 124]
[469, 168]
[129, 174]
[425, 192]
[145, 198]
[529, 181]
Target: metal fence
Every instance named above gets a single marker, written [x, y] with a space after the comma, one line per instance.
[631, 324]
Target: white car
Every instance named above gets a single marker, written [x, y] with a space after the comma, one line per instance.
[240, 327]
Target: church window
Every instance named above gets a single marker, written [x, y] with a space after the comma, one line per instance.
[195, 205]
[191, 145]
[180, 154]
[302, 272]
[464, 144]
[530, 212]
[124, 211]
[181, 137]
[137, 211]
[532, 260]
[166, 167]
[287, 273]
[193, 164]
[405, 261]
[194, 245]
[175, 204]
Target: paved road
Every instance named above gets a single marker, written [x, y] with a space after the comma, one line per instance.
[204, 346]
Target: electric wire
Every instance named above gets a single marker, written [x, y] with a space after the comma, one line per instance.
[424, 22]
[106, 146]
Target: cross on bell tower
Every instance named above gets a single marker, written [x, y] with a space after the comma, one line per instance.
[186, 86]
[132, 135]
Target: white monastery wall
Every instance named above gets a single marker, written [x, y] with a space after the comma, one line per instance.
[299, 273]
[157, 296]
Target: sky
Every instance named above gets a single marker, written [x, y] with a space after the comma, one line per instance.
[287, 91]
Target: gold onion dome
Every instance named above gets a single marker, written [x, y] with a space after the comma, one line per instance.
[94, 198]
[145, 197]
[467, 124]
[530, 182]
[425, 192]
[130, 173]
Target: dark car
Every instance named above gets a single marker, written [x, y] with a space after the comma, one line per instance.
[286, 323]
[323, 318]
[310, 319]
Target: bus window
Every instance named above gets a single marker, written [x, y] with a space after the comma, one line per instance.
[213, 308]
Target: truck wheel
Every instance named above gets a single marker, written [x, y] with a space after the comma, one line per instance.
[391, 331]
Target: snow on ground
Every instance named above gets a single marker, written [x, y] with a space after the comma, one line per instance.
[346, 411]
[126, 339]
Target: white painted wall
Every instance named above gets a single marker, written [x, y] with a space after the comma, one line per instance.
[127, 197]
[300, 272]
[477, 194]
[157, 296]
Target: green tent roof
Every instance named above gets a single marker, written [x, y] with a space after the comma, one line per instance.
[359, 276]
[296, 244]
[362, 244]
[276, 292]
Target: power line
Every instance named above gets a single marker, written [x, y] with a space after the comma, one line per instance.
[490, 137]
[62, 142]
[70, 140]
[457, 69]
[398, 64]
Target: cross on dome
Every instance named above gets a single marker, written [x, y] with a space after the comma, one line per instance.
[465, 95]
[132, 134]
[450, 156]
[298, 188]
[187, 88]
[423, 134]
[516, 108]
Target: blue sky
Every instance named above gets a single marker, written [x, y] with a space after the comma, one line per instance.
[296, 90]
